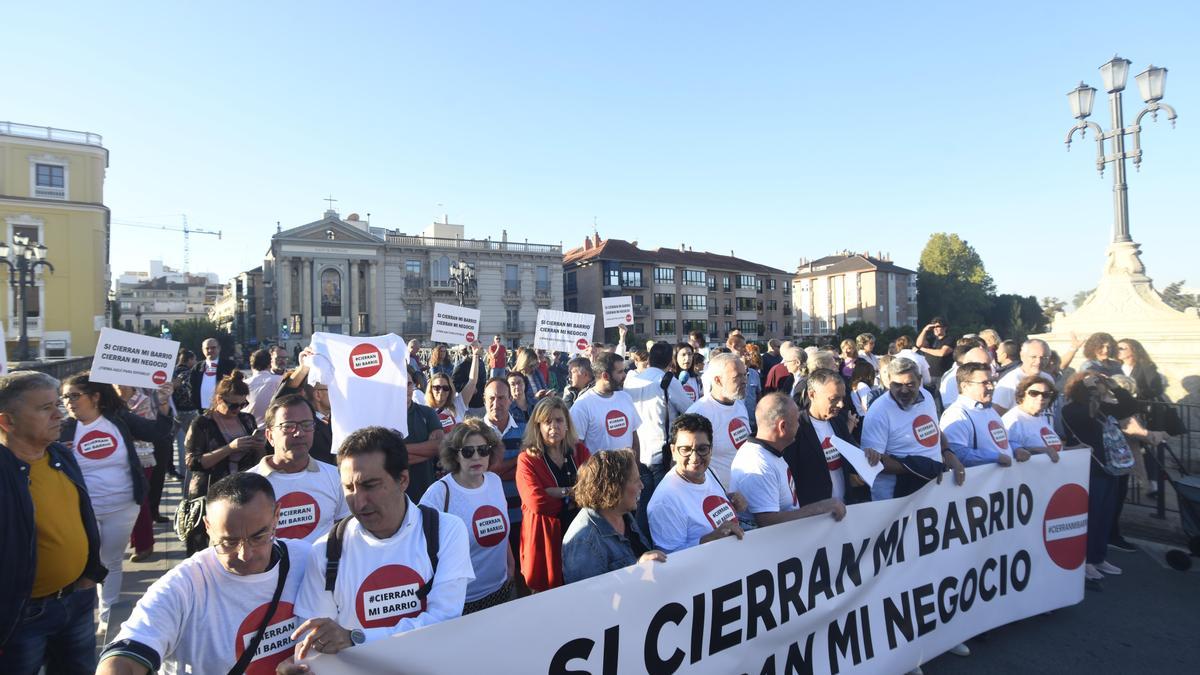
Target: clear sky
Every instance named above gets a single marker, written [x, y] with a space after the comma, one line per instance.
[775, 130]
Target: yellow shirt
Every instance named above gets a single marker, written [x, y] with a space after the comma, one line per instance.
[62, 546]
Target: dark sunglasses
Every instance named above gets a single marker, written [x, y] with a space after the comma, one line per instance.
[468, 451]
[439, 387]
[236, 406]
[1038, 393]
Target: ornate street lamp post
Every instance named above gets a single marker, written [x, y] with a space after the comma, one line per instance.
[462, 275]
[23, 258]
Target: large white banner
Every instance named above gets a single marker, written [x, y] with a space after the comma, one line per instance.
[618, 311]
[569, 332]
[893, 585]
[455, 325]
[133, 360]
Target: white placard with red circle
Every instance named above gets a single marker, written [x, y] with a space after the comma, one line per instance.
[133, 360]
[618, 311]
[454, 325]
[569, 332]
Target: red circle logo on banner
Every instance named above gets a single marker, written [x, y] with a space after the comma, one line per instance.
[739, 431]
[833, 458]
[581, 344]
[96, 444]
[616, 423]
[997, 431]
[276, 643]
[159, 377]
[470, 337]
[1051, 439]
[718, 510]
[299, 514]
[925, 430]
[366, 360]
[387, 595]
[489, 525]
[1064, 527]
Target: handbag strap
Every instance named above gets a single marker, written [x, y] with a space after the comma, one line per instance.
[248, 654]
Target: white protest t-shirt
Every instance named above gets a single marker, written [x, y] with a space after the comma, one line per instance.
[833, 458]
[645, 389]
[310, 501]
[208, 384]
[452, 415]
[1005, 394]
[764, 479]
[731, 428]
[367, 379]
[1029, 431]
[200, 617]
[378, 579]
[974, 432]
[104, 460]
[681, 512]
[900, 433]
[605, 423]
[694, 388]
[484, 511]
[948, 387]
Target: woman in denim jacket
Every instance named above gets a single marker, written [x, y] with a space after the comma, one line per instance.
[604, 536]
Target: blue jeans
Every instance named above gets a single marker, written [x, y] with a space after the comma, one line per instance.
[57, 633]
[498, 372]
[1104, 496]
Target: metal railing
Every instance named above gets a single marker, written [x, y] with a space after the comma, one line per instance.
[50, 134]
[1166, 460]
[472, 244]
[58, 368]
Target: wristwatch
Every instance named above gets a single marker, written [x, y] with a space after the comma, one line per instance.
[357, 637]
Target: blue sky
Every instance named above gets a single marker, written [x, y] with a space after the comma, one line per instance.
[775, 130]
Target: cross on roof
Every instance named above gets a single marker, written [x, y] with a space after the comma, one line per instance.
[331, 200]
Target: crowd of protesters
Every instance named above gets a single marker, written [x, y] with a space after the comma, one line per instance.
[521, 471]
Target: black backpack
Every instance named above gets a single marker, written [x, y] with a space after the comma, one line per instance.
[333, 549]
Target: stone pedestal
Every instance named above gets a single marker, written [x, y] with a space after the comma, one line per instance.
[1126, 305]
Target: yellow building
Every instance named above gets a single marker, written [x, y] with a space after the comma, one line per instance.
[52, 191]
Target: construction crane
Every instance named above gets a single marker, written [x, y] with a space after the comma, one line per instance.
[187, 232]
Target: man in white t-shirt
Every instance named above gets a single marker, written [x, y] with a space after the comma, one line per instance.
[762, 476]
[1035, 357]
[308, 492]
[262, 383]
[973, 430]
[656, 408]
[202, 615]
[722, 405]
[384, 579]
[968, 350]
[604, 416]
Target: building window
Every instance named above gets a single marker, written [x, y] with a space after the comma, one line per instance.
[569, 282]
[695, 302]
[695, 325]
[787, 308]
[772, 326]
[664, 327]
[712, 283]
[728, 307]
[631, 278]
[787, 287]
[412, 268]
[331, 293]
[612, 274]
[694, 278]
[439, 272]
[758, 283]
[571, 305]
[664, 301]
[728, 327]
[512, 320]
[50, 181]
[542, 279]
[745, 281]
[512, 283]
[747, 326]
[770, 284]
[746, 305]
[664, 275]
[772, 305]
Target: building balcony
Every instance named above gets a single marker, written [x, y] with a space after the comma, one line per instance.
[516, 327]
[413, 328]
[51, 134]
[640, 309]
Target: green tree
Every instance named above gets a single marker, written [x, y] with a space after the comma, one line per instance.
[192, 333]
[1082, 297]
[952, 283]
[853, 330]
[1052, 306]
[1016, 316]
[1174, 296]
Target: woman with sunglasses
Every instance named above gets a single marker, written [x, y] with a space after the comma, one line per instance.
[1027, 424]
[546, 473]
[102, 430]
[451, 406]
[220, 442]
[475, 495]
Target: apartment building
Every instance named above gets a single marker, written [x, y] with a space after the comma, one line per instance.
[840, 289]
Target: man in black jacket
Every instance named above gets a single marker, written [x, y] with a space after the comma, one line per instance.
[819, 470]
[207, 373]
[49, 542]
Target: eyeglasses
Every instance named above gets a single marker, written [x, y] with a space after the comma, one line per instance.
[235, 405]
[1039, 393]
[984, 383]
[469, 451]
[292, 427]
[701, 451]
[439, 387]
[73, 396]
[903, 385]
[232, 544]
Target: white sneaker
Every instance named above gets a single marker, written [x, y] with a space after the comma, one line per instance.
[1108, 568]
[960, 649]
[1091, 573]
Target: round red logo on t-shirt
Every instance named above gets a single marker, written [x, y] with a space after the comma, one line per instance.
[833, 458]
[717, 510]
[470, 337]
[616, 423]
[447, 419]
[1064, 527]
[489, 525]
[276, 644]
[387, 595]
[96, 444]
[1051, 439]
[159, 377]
[690, 391]
[739, 431]
[366, 360]
[792, 487]
[581, 344]
[299, 514]
[997, 431]
[925, 430]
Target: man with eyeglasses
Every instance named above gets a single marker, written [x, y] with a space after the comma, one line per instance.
[967, 350]
[1035, 358]
[201, 616]
[972, 427]
[309, 492]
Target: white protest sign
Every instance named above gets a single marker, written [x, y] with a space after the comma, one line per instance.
[563, 331]
[618, 311]
[133, 360]
[455, 325]
[857, 459]
[891, 585]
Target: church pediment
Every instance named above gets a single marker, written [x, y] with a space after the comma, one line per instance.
[329, 229]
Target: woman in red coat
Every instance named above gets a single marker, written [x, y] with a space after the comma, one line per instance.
[546, 473]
